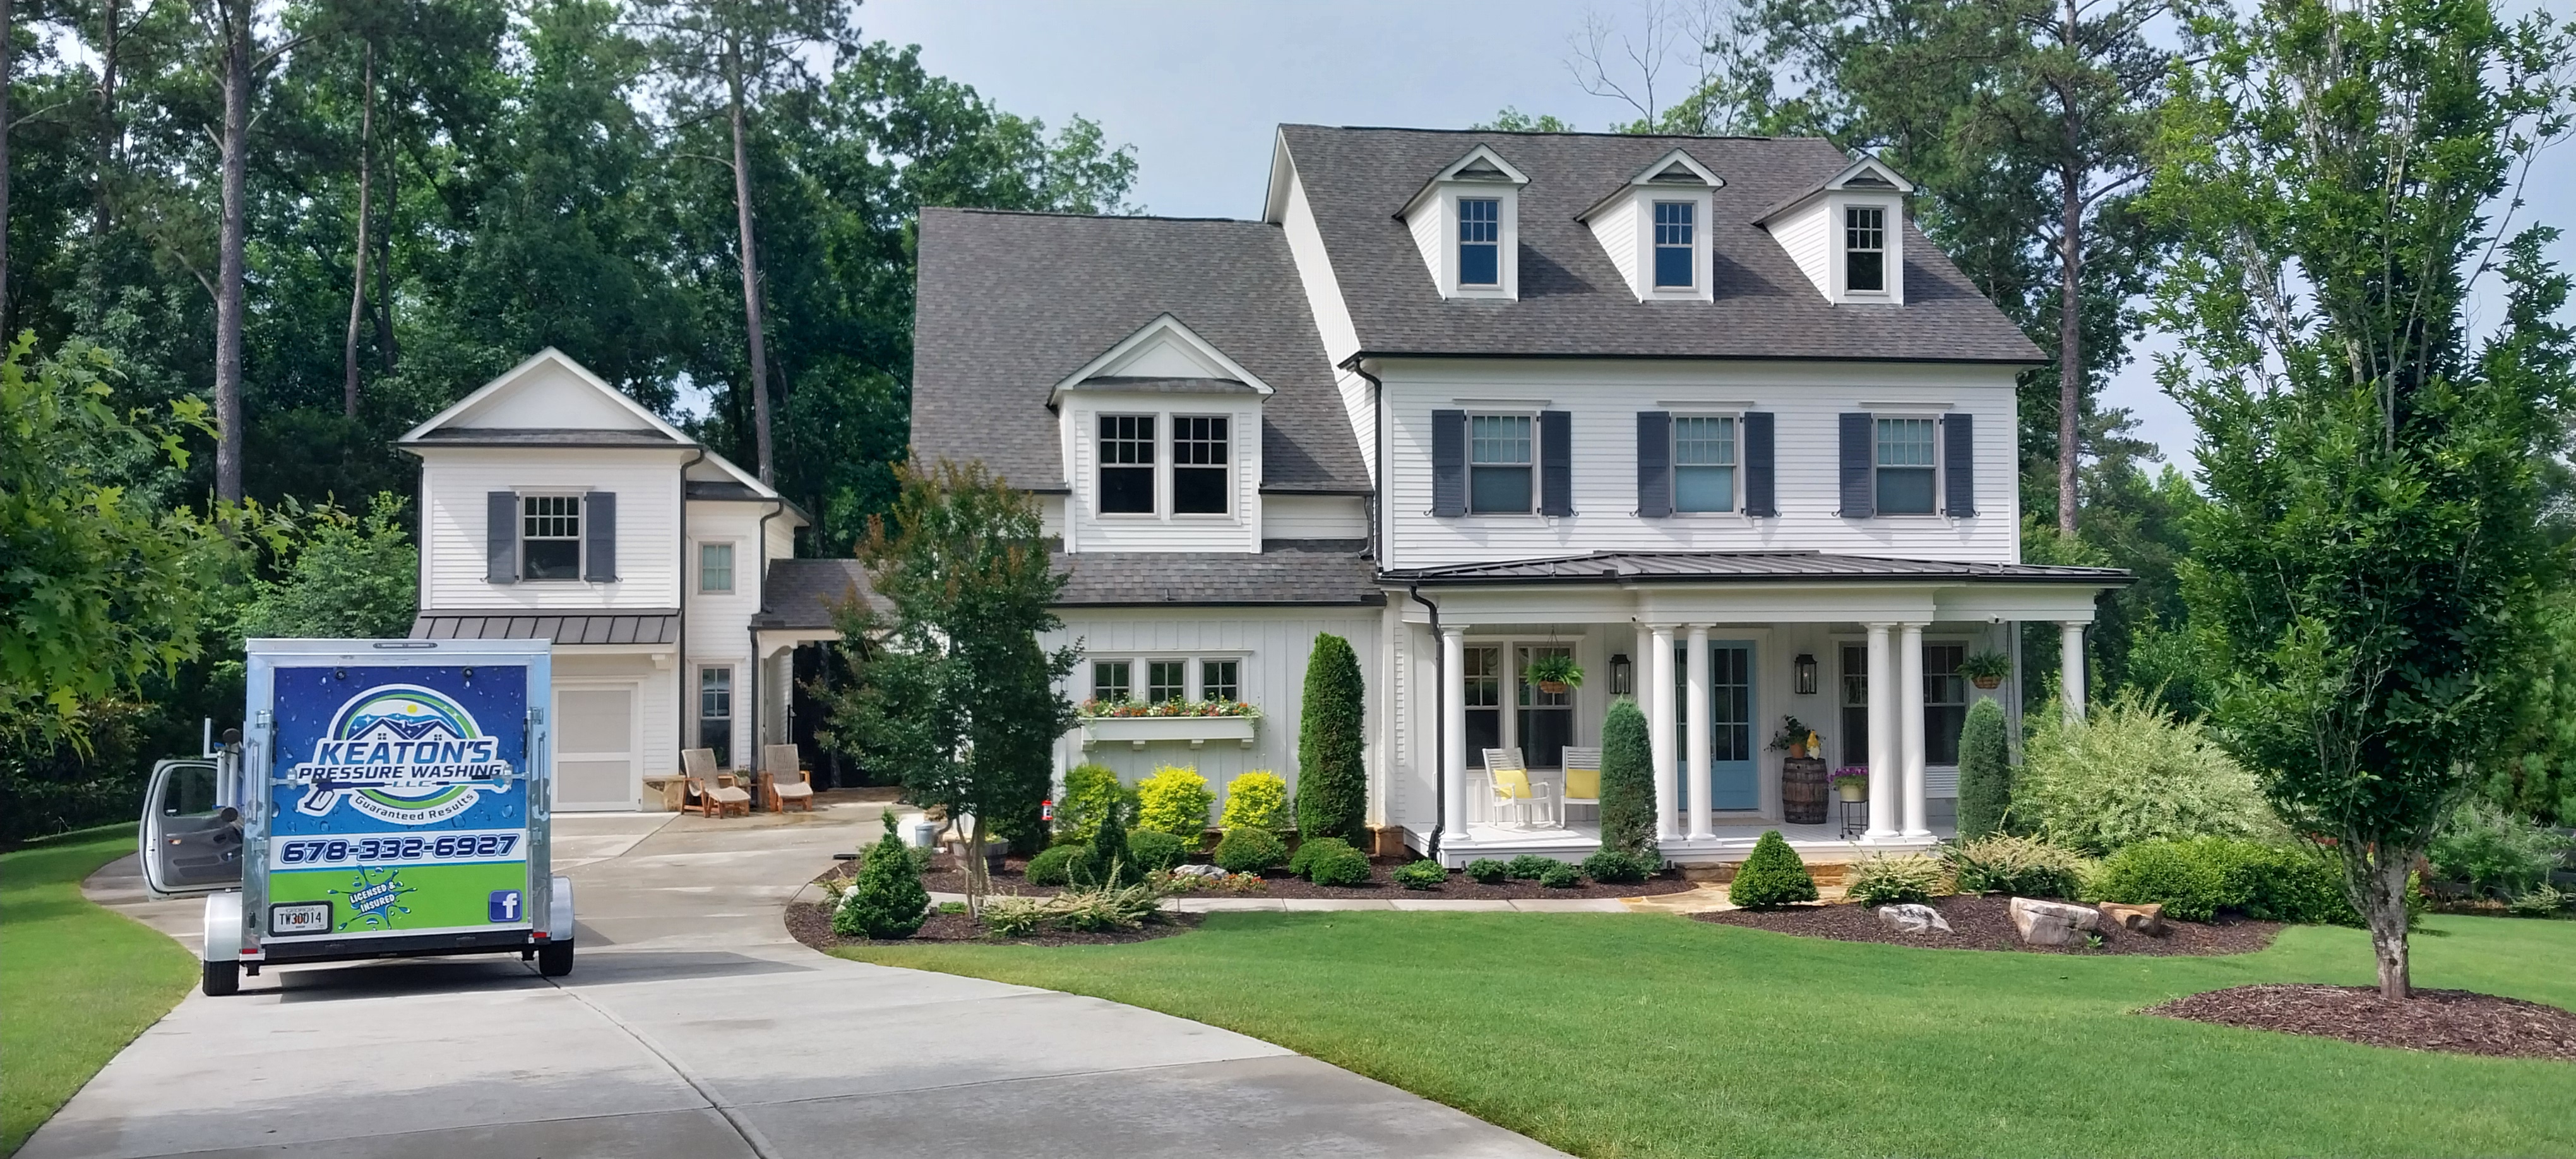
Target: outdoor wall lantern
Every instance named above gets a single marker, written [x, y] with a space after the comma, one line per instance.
[1619, 683]
[1803, 671]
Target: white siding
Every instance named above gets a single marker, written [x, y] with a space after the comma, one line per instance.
[657, 701]
[1431, 231]
[1802, 234]
[1604, 398]
[1236, 531]
[1332, 317]
[454, 481]
[1314, 517]
[719, 623]
[1273, 645]
[1616, 229]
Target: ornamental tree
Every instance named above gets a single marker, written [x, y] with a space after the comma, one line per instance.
[2367, 569]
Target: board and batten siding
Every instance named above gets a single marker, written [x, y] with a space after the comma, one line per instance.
[1805, 402]
[1239, 530]
[454, 482]
[1273, 645]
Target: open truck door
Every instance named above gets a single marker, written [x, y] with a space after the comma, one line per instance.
[192, 829]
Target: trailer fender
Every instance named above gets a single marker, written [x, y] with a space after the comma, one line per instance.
[223, 927]
[559, 911]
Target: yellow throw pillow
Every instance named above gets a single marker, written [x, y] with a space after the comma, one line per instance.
[1585, 783]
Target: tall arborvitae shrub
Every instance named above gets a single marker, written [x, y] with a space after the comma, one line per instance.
[1627, 782]
[1772, 876]
[1985, 772]
[1332, 774]
[1110, 864]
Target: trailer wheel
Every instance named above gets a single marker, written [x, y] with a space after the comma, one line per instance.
[222, 979]
[554, 959]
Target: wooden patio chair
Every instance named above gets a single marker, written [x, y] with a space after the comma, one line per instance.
[713, 793]
[782, 781]
[1582, 780]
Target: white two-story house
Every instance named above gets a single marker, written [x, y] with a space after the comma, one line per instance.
[554, 507]
[1709, 416]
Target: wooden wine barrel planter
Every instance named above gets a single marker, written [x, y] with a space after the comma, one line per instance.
[1803, 791]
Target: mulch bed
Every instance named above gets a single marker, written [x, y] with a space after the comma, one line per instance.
[1985, 923]
[2454, 1021]
[945, 877]
[811, 923]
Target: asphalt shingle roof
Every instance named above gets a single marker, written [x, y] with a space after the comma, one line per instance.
[1010, 303]
[1573, 302]
[1285, 572]
[1720, 566]
[804, 593]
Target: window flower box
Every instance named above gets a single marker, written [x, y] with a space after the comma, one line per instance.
[1171, 721]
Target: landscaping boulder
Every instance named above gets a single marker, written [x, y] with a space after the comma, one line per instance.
[2148, 919]
[1912, 918]
[2053, 923]
[1210, 872]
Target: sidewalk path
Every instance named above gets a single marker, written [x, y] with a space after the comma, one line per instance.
[693, 1026]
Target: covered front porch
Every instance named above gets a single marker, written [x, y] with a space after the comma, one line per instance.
[1729, 665]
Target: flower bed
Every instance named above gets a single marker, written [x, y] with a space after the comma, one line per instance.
[944, 877]
[1985, 923]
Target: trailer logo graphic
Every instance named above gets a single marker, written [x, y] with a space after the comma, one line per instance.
[404, 754]
[374, 900]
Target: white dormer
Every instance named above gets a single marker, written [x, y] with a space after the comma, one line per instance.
[1161, 441]
[1466, 221]
[1655, 229]
[1848, 234]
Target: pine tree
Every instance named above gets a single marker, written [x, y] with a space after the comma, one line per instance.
[888, 901]
[1985, 772]
[1332, 774]
[1627, 781]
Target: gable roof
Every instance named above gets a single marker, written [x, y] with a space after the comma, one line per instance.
[579, 409]
[1573, 302]
[1010, 304]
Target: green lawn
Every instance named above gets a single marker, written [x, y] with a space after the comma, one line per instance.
[1633, 1035]
[76, 982]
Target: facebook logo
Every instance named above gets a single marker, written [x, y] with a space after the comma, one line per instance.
[505, 905]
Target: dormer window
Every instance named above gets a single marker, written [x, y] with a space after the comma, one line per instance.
[1865, 249]
[1674, 226]
[1199, 474]
[1480, 241]
[1127, 464]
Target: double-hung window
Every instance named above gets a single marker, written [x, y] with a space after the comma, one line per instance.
[1855, 705]
[1703, 464]
[550, 537]
[1220, 680]
[1480, 241]
[1166, 680]
[715, 712]
[1112, 681]
[1501, 456]
[715, 567]
[1127, 464]
[1905, 465]
[1199, 464]
[1865, 249]
[1945, 702]
[1673, 247]
[1481, 678]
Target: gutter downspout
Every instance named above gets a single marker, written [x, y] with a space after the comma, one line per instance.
[1439, 728]
[680, 679]
[759, 718]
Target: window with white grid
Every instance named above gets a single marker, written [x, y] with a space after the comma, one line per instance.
[1703, 464]
[1199, 473]
[550, 537]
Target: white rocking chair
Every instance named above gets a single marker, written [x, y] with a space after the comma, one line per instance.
[1514, 795]
[1581, 783]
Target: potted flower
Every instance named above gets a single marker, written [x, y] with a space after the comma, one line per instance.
[1851, 783]
[1794, 737]
[1555, 673]
[1986, 669]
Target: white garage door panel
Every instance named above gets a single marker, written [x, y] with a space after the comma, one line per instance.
[595, 748]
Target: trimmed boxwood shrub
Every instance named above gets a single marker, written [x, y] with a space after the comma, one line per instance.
[1332, 776]
[1627, 781]
[1559, 875]
[1250, 849]
[1985, 771]
[1528, 866]
[1424, 874]
[1175, 800]
[2196, 878]
[1302, 862]
[1054, 866]
[1487, 871]
[1338, 864]
[1772, 876]
[1619, 867]
[1258, 798]
[1156, 851]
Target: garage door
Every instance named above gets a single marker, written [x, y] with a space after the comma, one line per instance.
[595, 757]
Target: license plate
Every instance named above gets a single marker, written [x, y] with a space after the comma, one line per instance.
[308, 917]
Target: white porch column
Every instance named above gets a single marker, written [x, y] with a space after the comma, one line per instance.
[1909, 708]
[2070, 680]
[1882, 735]
[1660, 721]
[1453, 733]
[1696, 711]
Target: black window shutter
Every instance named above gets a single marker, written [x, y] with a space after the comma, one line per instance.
[1555, 462]
[1654, 463]
[1760, 499]
[599, 520]
[501, 537]
[1448, 463]
[1859, 500]
[1959, 464]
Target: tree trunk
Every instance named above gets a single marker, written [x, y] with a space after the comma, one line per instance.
[8, 26]
[759, 348]
[2070, 293]
[358, 280]
[228, 277]
[979, 880]
[384, 267]
[2386, 912]
[100, 216]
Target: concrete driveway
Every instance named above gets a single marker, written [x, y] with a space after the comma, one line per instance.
[692, 1026]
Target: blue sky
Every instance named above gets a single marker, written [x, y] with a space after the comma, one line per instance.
[1197, 87]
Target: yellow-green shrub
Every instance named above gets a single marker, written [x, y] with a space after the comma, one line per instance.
[1258, 798]
[1174, 800]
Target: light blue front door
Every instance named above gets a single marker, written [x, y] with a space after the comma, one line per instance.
[1732, 757]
